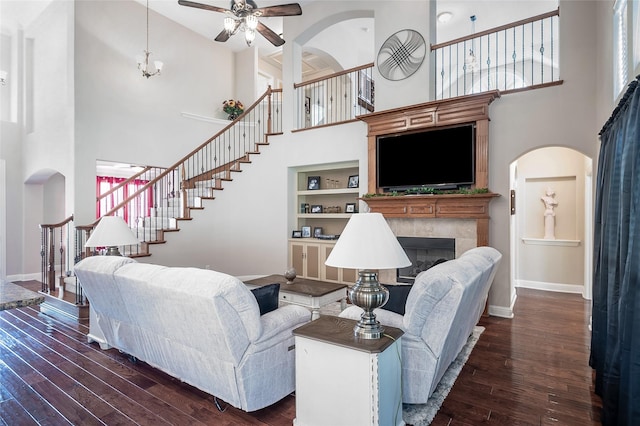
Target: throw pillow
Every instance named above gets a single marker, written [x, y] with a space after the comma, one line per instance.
[267, 297]
[397, 298]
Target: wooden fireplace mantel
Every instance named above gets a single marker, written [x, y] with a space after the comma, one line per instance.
[448, 112]
[450, 206]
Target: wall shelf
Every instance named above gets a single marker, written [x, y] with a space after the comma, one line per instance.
[547, 242]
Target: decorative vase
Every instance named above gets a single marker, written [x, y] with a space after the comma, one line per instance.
[290, 275]
[232, 117]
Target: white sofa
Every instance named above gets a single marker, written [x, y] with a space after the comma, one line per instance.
[200, 326]
[442, 308]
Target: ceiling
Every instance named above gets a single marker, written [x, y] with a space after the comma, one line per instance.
[489, 13]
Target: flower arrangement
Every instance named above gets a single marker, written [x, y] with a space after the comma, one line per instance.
[233, 108]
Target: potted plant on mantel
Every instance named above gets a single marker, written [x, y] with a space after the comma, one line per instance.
[422, 190]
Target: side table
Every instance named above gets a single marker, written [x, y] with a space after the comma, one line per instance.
[343, 380]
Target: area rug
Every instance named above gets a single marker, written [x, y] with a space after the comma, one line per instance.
[423, 414]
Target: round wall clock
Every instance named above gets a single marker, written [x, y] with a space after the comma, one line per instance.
[401, 55]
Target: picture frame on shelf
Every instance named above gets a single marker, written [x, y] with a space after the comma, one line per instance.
[313, 182]
[306, 231]
[354, 181]
[296, 234]
[350, 208]
[316, 208]
[317, 231]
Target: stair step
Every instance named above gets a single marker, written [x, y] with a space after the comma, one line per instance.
[65, 306]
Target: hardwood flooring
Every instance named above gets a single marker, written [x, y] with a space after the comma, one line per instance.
[529, 370]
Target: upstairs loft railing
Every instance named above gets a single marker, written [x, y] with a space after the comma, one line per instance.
[335, 99]
[518, 56]
[170, 194]
[55, 261]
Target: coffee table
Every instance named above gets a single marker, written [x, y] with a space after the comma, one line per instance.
[311, 294]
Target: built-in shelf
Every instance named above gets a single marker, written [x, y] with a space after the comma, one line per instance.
[548, 242]
[324, 215]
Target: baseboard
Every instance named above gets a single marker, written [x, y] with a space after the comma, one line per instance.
[501, 311]
[24, 277]
[556, 287]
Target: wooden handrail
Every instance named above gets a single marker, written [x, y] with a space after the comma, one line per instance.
[186, 157]
[497, 29]
[56, 225]
[330, 76]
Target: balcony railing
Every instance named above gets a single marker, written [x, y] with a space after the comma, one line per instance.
[517, 56]
[335, 99]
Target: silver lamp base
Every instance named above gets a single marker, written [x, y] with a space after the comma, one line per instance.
[113, 251]
[368, 294]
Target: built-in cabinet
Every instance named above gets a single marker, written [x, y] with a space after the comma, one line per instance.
[326, 195]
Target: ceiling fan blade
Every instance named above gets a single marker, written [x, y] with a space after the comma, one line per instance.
[291, 9]
[223, 36]
[202, 6]
[267, 33]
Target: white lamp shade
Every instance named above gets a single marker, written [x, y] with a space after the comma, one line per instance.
[367, 242]
[111, 231]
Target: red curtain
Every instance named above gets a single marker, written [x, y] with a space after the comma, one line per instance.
[138, 207]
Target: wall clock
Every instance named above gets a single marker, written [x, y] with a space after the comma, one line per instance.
[401, 55]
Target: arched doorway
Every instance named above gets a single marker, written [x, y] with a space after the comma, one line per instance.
[556, 259]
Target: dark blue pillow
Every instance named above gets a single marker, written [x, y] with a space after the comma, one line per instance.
[267, 297]
[397, 298]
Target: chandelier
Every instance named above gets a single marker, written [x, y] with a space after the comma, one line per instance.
[143, 63]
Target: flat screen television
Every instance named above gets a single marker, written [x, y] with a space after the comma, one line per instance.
[441, 158]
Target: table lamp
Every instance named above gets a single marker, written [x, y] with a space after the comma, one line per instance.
[111, 232]
[368, 244]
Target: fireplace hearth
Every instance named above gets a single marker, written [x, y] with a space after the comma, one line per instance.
[424, 253]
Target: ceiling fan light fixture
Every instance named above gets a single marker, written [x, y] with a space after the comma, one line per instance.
[251, 22]
[229, 24]
[249, 36]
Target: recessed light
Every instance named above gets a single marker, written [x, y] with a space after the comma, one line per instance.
[444, 17]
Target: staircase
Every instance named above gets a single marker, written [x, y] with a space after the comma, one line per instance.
[170, 194]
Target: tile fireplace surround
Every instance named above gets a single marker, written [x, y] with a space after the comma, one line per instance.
[464, 231]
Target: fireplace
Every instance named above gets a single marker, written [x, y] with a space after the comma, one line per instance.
[424, 253]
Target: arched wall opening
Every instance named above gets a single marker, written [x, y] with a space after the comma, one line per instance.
[551, 221]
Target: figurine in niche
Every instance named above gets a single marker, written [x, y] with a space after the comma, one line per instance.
[550, 204]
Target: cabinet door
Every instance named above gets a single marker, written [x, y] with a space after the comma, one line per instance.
[349, 276]
[297, 258]
[312, 260]
[331, 273]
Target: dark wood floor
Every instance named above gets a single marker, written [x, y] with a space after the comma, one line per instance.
[529, 370]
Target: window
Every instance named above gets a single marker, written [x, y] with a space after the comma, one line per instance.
[620, 68]
[636, 36]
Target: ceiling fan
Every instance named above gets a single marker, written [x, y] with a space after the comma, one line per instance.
[243, 15]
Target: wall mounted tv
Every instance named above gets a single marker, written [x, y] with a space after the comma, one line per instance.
[438, 158]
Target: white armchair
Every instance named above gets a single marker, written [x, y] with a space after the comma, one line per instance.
[442, 308]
